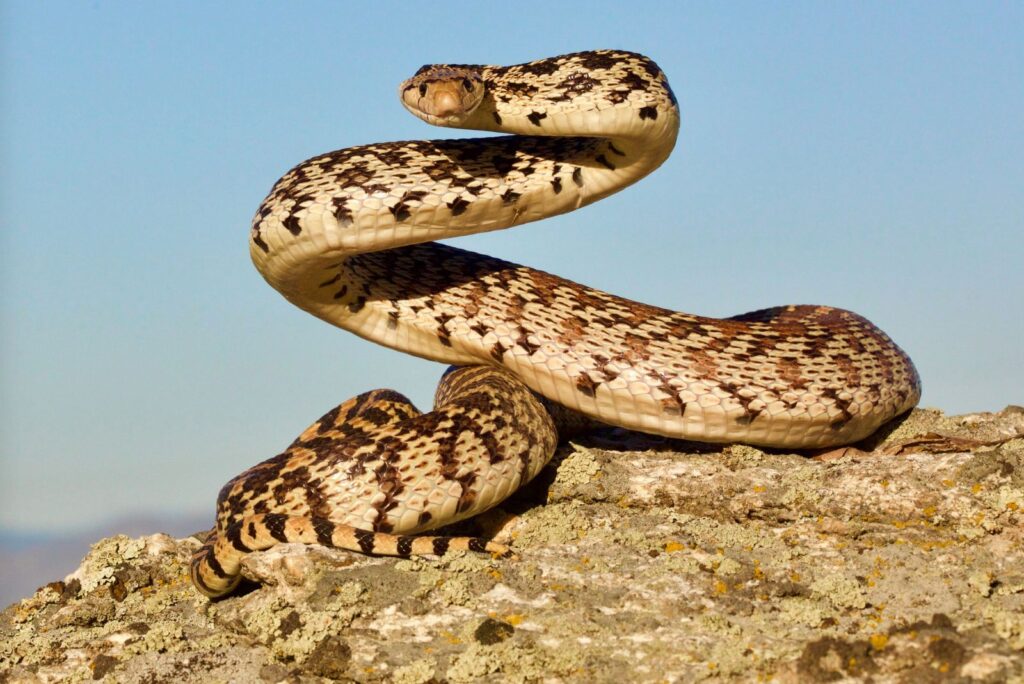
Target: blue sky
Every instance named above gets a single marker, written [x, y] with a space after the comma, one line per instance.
[864, 155]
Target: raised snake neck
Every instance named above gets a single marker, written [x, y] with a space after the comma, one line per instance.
[347, 236]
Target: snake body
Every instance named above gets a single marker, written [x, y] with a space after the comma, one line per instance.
[348, 236]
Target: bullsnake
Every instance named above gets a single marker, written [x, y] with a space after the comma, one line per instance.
[347, 236]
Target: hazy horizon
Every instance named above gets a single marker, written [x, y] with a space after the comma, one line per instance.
[31, 560]
[863, 155]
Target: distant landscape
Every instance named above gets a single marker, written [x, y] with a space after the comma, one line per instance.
[30, 560]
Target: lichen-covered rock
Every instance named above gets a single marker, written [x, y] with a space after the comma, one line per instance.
[637, 560]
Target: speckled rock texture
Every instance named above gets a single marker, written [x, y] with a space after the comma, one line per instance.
[639, 560]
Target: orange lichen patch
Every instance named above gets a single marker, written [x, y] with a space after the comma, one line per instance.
[673, 547]
[450, 637]
[932, 545]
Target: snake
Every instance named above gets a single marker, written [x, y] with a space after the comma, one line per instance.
[350, 236]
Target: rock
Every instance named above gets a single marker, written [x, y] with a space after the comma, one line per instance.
[638, 559]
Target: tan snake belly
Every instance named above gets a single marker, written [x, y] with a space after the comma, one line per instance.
[348, 237]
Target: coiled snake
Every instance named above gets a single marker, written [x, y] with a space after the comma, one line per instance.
[347, 236]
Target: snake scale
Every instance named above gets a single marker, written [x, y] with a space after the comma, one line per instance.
[348, 236]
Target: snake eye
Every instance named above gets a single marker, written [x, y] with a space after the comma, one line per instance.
[467, 84]
[423, 89]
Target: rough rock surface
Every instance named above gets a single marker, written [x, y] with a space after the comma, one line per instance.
[638, 560]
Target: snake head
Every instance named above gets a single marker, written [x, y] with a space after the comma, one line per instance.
[443, 94]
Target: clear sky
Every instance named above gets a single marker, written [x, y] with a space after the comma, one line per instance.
[863, 155]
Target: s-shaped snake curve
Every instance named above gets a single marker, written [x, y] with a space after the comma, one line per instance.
[348, 236]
